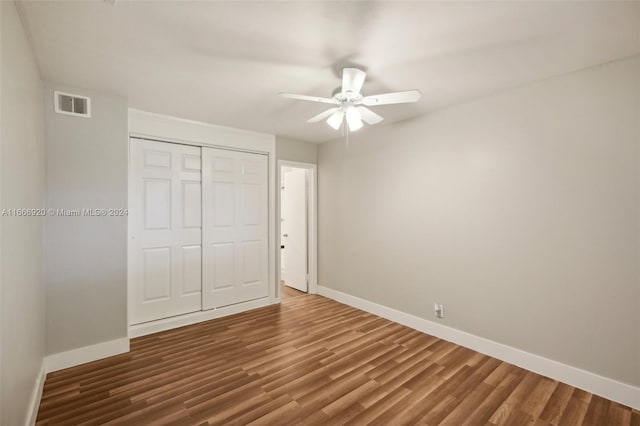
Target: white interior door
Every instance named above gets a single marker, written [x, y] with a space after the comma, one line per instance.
[167, 230]
[234, 227]
[294, 228]
[283, 274]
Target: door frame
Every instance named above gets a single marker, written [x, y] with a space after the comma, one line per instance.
[312, 211]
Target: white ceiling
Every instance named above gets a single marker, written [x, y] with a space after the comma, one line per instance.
[225, 62]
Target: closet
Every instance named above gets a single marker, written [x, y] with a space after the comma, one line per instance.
[199, 236]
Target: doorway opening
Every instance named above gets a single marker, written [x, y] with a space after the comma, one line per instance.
[297, 267]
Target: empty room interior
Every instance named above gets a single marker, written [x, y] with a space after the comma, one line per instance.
[319, 212]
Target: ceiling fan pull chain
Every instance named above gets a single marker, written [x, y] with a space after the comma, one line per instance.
[347, 136]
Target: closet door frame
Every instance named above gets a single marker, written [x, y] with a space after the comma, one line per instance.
[161, 128]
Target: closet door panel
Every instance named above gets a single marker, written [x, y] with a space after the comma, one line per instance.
[157, 204]
[156, 274]
[167, 230]
[235, 228]
[191, 269]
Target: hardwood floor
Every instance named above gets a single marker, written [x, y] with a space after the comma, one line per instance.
[288, 292]
[311, 361]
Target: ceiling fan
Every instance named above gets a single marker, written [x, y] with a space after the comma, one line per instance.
[351, 104]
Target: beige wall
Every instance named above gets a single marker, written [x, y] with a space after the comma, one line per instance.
[22, 187]
[294, 150]
[519, 212]
[86, 257]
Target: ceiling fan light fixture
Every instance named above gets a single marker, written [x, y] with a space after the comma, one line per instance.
[335, 120]
[354, 119]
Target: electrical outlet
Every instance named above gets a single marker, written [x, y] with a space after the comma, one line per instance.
[439, 310]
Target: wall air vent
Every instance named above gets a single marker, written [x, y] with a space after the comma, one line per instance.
[66, 103]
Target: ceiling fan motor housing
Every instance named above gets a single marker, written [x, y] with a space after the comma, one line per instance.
[347, 96]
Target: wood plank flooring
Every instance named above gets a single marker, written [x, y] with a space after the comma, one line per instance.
[288, 292]
[311, 361]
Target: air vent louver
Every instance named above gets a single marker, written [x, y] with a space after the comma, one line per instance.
[66, 103]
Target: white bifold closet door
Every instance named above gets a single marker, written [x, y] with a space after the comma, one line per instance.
[234, 227]
[165, 210]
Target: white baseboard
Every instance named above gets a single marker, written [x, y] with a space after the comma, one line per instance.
[101, 350]
[86, 354]
[196, 317]
[68, 359]
[599, 385]
[36, 394]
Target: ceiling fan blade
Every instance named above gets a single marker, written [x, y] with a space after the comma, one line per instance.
[309, 98]
[352, 80]
[336, 118]
[354, 119]
[369, 116]
[322, 115]
[392, 98]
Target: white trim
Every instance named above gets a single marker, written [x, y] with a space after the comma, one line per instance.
[608, 388]
[273, 219]
[195, 317]
[36, 395]
[160, 127]
[86, 354]
[312, 189]
[130, 252]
